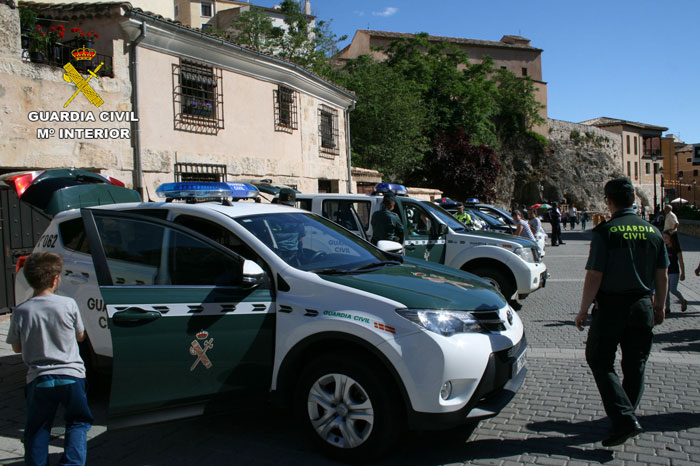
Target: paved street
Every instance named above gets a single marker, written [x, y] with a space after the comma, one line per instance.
[556, 418]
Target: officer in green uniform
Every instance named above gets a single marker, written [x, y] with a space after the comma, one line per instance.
[626, 262]
[463, 216]
[386, 224]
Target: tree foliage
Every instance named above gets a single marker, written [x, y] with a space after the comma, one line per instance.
[301, 40]
[461, 106]
[387, 124]
[461, 168]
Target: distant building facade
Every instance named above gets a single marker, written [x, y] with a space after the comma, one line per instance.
[218, 14]
[513, 53]
[643, 152]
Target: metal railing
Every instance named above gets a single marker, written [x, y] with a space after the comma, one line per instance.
[58, 54]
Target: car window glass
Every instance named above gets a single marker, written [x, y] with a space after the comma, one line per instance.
[304, 204]
[218, 233]
[309, 242]
[344, 213]
[418, 221]
[72, 233]
[142, 253]
[445, 216]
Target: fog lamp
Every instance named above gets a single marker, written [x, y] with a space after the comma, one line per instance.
[446, 390]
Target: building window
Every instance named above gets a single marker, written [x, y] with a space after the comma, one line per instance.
[285, 102]
[628, 143]
[648, 168]
[629, 168]
[635, 146]
[206, 10]
[186, 171]
[524, 70]
[328, 130]
[636, 169]
[656, 168]
[689, 160]
[695, 173]
[198, 103]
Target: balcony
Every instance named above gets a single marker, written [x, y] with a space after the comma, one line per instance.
[58, 54]
[651, 146]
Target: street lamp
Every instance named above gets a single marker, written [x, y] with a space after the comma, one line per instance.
[694, 201]
[653, 162]
[661, 172]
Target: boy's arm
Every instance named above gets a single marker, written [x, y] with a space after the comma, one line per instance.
[17, 347]
[80, 336]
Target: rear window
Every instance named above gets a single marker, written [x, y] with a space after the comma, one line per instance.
[73, 236]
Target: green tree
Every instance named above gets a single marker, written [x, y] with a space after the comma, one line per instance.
[388, 122]
[254, 28]
[518, 108]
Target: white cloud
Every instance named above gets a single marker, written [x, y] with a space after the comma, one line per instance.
[388, 11]
[359, 13]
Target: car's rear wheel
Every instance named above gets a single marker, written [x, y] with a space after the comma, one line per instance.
[350, 413]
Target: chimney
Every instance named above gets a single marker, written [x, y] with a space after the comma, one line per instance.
[307, 7]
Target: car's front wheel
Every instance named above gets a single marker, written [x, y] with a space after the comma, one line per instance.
[350, 412]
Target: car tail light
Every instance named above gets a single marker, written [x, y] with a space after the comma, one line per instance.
[20, 263]
[22, 182]
[113, 181]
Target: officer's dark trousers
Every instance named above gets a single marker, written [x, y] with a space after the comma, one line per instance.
[626, 321]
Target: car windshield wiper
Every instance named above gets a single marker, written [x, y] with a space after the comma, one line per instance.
[329, 271]
[373, 265]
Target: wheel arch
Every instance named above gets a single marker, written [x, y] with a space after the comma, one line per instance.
[483, 262]
[323, 343]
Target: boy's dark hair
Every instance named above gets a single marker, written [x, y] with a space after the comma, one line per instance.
[40, 268]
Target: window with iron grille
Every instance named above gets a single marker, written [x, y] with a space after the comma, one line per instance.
[198, 103]
[285, 102]
[188, 171]
[328, 130]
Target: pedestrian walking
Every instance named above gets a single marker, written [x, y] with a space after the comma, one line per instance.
[670, 220]
[627, 260]
[676, 269]
[573, 216]
[386, 224]
[555, 221]
[46, 329]
[564, 219]
[584, 219]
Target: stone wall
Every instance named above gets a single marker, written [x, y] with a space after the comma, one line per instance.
[565, 131]
[689, 227]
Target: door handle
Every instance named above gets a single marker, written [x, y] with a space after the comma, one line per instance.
[134, 316]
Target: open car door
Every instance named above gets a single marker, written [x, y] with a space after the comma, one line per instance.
[187, 330]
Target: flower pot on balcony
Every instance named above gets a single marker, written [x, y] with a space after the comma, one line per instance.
[37, 56]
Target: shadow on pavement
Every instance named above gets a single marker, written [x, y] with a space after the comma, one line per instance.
[685, 340]
[561, 323]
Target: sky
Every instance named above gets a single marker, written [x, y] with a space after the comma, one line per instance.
[634, 60]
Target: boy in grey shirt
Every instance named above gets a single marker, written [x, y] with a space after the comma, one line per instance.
[46, 329]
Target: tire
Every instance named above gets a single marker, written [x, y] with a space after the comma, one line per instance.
[496, 278]
[356, 425]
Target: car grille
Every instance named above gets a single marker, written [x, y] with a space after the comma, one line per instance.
[490, 320]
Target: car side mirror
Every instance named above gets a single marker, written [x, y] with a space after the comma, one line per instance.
[442, 230]
[390, 246]
[253, 274]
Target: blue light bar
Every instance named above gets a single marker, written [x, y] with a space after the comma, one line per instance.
[391, 188]
[206, 189]
[472, 200]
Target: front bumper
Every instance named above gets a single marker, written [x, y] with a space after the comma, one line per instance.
[496, 389]
[533, 280]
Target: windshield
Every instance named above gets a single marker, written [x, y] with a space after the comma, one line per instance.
[445, 216]
[312, 243]
[492, 221]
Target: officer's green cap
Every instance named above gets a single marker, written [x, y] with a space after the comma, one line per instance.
[619, 186]
[287, 196]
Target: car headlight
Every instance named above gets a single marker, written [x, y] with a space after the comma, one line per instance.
[443, 322]
[525, 254]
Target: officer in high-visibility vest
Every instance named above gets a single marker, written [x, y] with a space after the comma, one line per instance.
[627, 261]
[463, 216]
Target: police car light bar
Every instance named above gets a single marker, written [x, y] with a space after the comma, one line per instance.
[206, 189]
[472, 200]
[391, 188]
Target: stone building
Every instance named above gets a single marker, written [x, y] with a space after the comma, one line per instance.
[642, 153]
[188, 101]
[513, 53]
[683, 172]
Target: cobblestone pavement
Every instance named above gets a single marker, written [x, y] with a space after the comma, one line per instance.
[556, 418]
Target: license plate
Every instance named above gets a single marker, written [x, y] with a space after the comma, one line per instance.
[519, 363]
